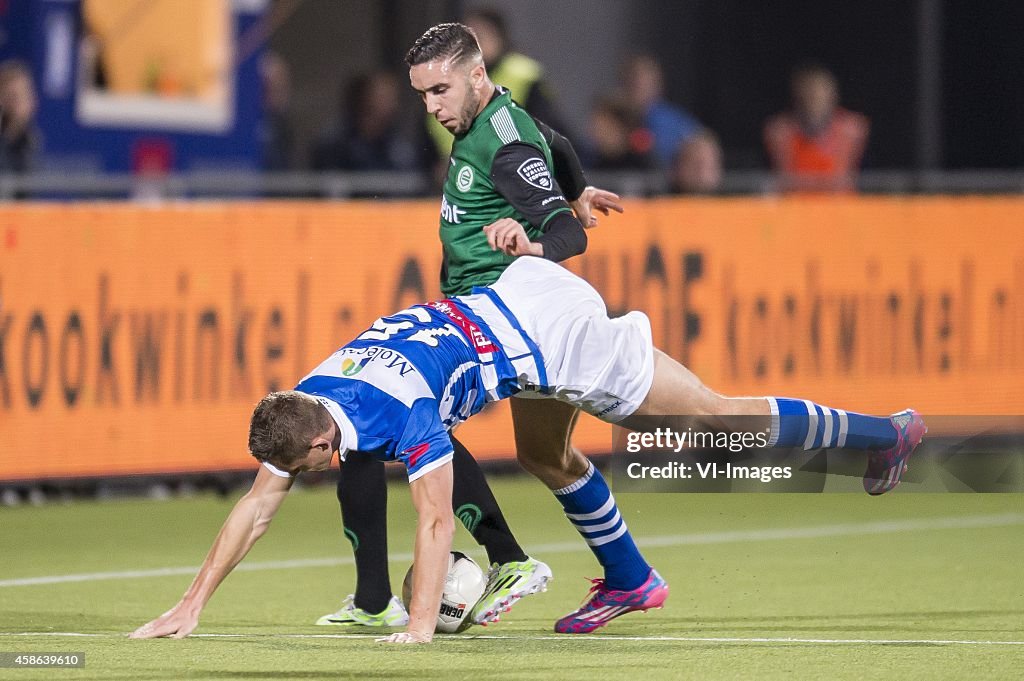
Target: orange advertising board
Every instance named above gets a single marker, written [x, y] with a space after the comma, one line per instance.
[137, 339]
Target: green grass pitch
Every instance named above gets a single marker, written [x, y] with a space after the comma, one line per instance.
[765, 586]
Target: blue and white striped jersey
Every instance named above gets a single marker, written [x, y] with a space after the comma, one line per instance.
[399, 388]
[403, 384]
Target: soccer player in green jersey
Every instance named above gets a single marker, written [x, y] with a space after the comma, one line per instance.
[501, 201]
[522, 188]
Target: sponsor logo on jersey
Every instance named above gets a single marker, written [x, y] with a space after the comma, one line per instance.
[450, 212]
[356, 359]
[481, 343]
[464, 180]
[552, 198]
[350, 368]
[535, 172]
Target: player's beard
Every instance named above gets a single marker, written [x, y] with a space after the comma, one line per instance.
[468, 113]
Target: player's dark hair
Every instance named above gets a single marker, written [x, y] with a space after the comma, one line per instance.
[283, 425]
[444, 41]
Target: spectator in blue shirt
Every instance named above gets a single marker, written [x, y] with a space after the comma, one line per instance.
[669, 125]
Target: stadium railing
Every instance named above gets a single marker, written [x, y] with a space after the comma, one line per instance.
[211, 184]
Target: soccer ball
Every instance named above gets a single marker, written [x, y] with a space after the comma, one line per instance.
[463, 587]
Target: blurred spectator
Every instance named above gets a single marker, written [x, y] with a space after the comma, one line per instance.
[368, 136]
[698, 165]
[519, 74]
[668, 124]
[278, 137]
[92, 57]
[818, 145]
[523, 76]
[19, 136]
[617, 142]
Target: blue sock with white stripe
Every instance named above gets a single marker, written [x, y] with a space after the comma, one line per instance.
[590, 507]
[802, 423]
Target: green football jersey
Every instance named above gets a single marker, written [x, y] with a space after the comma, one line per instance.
[471, 201]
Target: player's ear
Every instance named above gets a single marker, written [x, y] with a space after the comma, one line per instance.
[320, 442]
[477, 73]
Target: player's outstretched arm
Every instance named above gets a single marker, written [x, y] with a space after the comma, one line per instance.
[594, 200]
[435, 527]
[245, 524]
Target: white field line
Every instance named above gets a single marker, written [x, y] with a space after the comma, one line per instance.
[564, 637]
[703, 538]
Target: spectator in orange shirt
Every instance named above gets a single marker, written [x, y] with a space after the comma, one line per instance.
[816, 147]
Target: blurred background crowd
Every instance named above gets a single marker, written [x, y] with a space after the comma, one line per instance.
[168, 98]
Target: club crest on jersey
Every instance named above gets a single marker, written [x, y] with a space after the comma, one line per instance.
[464, 180]
[535, 172]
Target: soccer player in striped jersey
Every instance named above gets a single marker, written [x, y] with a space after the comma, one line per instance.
[399, 389]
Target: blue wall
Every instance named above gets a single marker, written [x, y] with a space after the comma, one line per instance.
[45, 33]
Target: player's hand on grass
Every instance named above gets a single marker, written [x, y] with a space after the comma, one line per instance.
[595, 200]
[406, 637]
[178, 622]
[508, 236]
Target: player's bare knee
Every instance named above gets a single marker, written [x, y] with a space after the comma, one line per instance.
[530, 463]
[555, 472]
[575, 465]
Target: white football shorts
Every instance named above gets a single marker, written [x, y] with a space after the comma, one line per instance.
[603, 366]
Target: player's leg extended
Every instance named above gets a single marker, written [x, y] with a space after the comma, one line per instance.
[543, 432]
[512, 573]
[678, 392]
[794, 423]
[363, 495]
